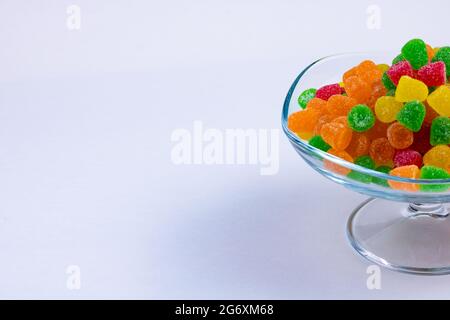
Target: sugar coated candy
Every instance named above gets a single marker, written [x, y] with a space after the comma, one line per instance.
[433, 74]
[411, 115]
[395, 118]
[432, 172]
[415, 51]
[443, 54]
[438, 156]
[440, 131]
[337, 134]
[386, 109]
[381, 151]
[327, 91]
[305, 97]
[399, 136]
[339, 105]
[399, 70]
[439, 100]
[406, 157]
[409, 89]
[361, 118]
[410, 172]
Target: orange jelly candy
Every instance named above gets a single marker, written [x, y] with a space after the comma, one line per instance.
[339, 105]
[326, 118]
[334, 166]
[359, 145]
[381, 151]
[411, 171]
[358, 89]
[399, 136]
[337, 134]
[302, 122]
[318, 105]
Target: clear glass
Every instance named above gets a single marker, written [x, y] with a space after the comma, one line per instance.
[406, 231]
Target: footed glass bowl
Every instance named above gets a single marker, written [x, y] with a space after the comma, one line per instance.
[406, 231]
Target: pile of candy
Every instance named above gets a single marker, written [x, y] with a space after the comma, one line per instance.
[393, 119]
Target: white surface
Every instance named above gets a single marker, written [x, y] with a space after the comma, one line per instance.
[86, 175]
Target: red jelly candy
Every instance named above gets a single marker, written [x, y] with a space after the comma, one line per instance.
[407, 157]
[327, 91]
[422, 139]
[433, 74]
[403, 68]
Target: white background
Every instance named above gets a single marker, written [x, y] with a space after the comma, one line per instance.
[86, 176]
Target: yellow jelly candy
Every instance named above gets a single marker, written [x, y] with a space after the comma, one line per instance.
[386, 109]
[439, 100]
[438, 156]
[383, 67]
[410, 89]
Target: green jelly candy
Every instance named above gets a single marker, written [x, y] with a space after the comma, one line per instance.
[440, 131]
[412, 115]
[306, 96]
[398, 58]
[366, 162]
[387, 82]
[443, 54]
[432, 172]
[415, 51]
[391, 93]
[361, 118]
[381, 181]
[319, 143]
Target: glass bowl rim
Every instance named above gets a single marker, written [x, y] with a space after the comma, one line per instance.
[325, 155]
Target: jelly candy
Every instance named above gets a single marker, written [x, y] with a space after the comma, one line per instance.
[339, 105]
[359, 145]
[432, 172]
[412, 172]
[409, 89]
[381, 181]
[383, 67]
[440, 131]
[337, 134]
[399, 137]
[332, 166]
[366, 162]
[378, 91]
[415, 51]
[411, 115]
[438, 156]
[399, 70]
[439, 100]
[379, 130]
[381, 151]
[327, 91]
[319, 143]
[443, 54]
[306, 96]
[361, 118]
[386, 109]
[407, 157]
[387, 82]
[358, 89]
[433, 74]
[317, 104]
[303, 122]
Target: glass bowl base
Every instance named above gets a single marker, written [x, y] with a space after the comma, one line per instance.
[411, 238]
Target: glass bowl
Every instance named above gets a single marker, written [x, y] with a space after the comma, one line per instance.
[406, 231]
